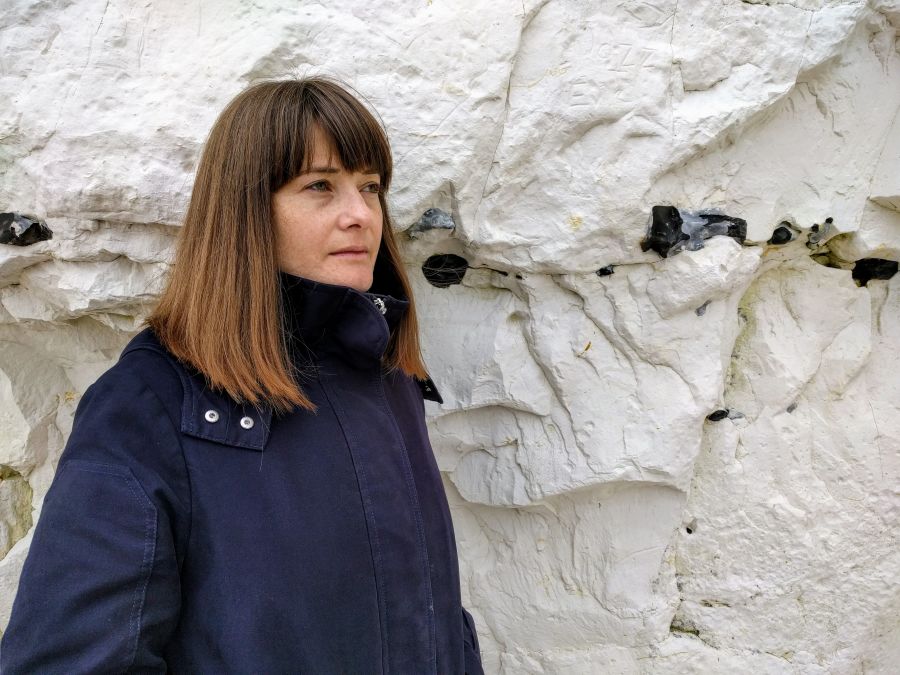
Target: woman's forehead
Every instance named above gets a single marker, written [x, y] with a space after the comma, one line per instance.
[322, 151]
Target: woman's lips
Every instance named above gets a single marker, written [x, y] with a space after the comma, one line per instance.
[351, 254]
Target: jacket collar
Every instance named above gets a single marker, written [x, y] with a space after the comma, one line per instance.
[323, 318]
[320, 318]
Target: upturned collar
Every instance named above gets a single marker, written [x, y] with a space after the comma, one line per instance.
[322, 318]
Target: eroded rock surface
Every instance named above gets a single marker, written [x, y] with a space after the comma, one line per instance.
[656, 465]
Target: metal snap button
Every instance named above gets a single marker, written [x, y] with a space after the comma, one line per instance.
[379, 303]
[211, 416]
[247, 422]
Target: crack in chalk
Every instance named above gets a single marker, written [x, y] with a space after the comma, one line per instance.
[821, 107]
[534, 12]
[672, 31]
[102, 16]
[878, 308]
[428, 136]
[805, 385]
[141, 43]
[641, 354]
[776, 3]
[559, 441]
[884, 146]
[506, 105]
[505, 117]
[877, 438]
[684, 628]
[525, 470]
[802, 55]
[615, 338]
[51, 39]
[454, 206]
[669, 104]
[558, 397]
[87, 62]
[555, 388]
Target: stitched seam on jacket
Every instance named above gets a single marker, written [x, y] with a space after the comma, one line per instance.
[417, 512]
[177, 433]
[350, 439]
[150, 521]
[185, 384]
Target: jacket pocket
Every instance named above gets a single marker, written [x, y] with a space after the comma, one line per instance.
[82, 590]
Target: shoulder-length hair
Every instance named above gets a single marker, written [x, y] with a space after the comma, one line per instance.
[222, 309]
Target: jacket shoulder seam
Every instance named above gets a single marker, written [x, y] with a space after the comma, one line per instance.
[176, 428]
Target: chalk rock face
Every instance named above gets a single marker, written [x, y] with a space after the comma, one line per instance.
[685, 464]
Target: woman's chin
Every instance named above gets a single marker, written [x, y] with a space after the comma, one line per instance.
[352, 276]
[359, 280]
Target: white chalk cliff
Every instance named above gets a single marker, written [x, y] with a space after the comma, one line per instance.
[605, 523]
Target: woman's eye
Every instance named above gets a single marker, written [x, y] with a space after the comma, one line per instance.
[372, 187]
[318, 186]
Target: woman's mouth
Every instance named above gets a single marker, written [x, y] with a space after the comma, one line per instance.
[352, 253]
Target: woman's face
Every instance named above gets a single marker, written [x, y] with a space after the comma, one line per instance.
[328, 221]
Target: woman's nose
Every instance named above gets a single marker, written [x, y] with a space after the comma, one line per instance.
[355, 210]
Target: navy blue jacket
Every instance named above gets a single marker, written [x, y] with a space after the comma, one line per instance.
[189, 533]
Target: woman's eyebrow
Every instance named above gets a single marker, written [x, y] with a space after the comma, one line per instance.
[332, 169]
[320, 169]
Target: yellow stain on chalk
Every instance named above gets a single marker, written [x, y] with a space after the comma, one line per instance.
[575, 223]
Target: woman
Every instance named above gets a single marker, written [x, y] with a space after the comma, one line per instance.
[251, 487]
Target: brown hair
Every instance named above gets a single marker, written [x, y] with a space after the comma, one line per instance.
[221, 311]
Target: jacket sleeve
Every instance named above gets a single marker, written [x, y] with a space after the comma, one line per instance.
[100, 588]
[470, 646]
